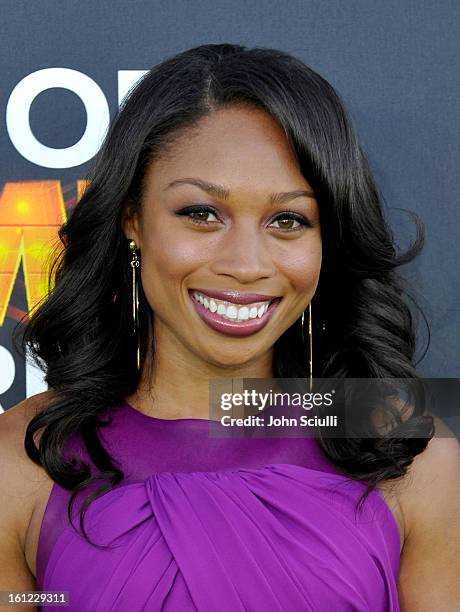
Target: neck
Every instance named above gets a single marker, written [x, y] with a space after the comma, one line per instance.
[176, 383]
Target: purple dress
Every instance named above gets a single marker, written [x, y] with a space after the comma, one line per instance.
[219, 525]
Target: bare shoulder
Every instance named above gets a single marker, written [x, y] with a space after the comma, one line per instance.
[14, 422]
[433, 476]
[22, 413]
[22, 483]
[429, 497]
[20, 477]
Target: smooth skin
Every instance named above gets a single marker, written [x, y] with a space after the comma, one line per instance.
[245, 243]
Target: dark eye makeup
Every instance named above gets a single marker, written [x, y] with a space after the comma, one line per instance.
[203, 210]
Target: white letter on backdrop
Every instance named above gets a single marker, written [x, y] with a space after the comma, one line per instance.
[18, 123]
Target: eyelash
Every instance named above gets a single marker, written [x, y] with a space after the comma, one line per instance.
[286, 214]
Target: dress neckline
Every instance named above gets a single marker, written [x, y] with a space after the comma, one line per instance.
[161, 420]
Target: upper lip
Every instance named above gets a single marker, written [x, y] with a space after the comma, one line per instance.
[237, 297]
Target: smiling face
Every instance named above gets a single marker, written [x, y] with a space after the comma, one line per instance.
[211, 224]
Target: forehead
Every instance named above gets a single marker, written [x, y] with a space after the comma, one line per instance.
[231, 146]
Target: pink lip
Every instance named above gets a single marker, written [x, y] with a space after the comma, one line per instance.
[237, 297]
[233, 328]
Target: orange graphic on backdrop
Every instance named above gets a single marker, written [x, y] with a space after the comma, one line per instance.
[30, 215]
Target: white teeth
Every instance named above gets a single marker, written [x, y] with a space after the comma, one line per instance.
[232, 311]
[243, 313]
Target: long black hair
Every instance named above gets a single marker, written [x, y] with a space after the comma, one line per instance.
[81, 334]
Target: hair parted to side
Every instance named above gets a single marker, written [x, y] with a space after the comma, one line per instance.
[81, 334]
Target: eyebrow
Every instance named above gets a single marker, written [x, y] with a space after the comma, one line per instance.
[221, 192]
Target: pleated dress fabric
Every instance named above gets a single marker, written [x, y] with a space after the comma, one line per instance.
[218, 523]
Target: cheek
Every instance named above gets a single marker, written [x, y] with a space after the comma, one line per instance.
[169, 256]
[302, 267]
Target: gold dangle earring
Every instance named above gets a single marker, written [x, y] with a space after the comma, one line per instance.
[135, 264]
[310, 337]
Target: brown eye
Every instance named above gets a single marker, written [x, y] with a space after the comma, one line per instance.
[286, 222]
[198, 214]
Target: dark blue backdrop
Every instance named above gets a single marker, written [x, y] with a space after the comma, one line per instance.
[394, 63]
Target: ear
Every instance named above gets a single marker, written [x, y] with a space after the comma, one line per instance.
[131, 225]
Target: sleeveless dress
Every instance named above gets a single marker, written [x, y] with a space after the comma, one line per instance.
[219, 524]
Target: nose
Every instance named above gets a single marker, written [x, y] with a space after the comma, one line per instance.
[243, 253]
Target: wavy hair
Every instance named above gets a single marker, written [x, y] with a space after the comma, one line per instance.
[81, 333]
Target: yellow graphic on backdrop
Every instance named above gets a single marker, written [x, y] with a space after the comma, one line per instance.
[30, 215]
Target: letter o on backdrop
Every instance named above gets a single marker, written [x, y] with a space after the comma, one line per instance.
[18, 120]
[8, 370]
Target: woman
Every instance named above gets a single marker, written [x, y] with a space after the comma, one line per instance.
[229, 204]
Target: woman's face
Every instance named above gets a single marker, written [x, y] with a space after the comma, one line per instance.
[243, 241]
